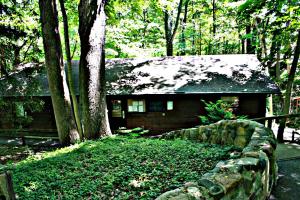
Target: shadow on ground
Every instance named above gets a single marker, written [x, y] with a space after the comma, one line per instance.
[288, 185]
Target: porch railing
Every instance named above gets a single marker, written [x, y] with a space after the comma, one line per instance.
[268, 121]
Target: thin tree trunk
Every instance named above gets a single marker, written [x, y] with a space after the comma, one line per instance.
[278, 64]
[263, 48]
[184, 21]
[92, 21]
[200, 38]
[169, 31]
[243, 46]
[249, 46]
[69, 71]
[287, 99]
[145, 28]
[60, 95]
[214, 17]
[195, 37]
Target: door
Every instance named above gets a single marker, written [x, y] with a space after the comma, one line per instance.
[117, 114]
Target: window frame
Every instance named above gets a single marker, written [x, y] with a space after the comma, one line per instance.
[136, 108]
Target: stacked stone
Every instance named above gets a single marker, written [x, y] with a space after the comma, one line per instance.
[6, 187]
[247, 175]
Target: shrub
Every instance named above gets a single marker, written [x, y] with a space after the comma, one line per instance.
[218, 111]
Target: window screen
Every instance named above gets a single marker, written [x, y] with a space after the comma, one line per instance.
[156, 106]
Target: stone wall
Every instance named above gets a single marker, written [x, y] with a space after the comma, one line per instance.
[249, 174]
[6, 187]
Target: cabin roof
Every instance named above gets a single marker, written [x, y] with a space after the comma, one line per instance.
[229, 74]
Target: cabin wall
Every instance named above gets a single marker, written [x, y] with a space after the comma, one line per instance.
[186, 109]
[42, 120]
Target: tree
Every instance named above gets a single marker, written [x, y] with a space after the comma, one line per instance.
[92, 21]
[182, 39]
[287, 99]
[19, 34]
[60, 95]
[170, 32]
[74, 102]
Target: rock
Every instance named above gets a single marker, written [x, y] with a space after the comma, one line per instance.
[240, 131]
[240, 141]
[229, 166]
[6, 186]
[249, 163]
[190, 193]
[228, 180]
[214, 189]
[194, 134]
[246, 175]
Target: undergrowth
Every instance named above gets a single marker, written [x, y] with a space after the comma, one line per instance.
[114, 168]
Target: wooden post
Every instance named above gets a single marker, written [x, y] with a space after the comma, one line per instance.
[270, 123]
[6, 186]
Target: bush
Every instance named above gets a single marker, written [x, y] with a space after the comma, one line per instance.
[218, 111]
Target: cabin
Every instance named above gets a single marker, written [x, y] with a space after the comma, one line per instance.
[159, 94]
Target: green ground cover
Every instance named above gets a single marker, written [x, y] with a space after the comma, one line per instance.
[13, 153]
[114, 168]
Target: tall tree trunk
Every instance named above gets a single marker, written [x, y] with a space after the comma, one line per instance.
[194, 38]
[69, 71]
[145, 28]
[184, 21]
[243, 45]
[287, 99]
[60, 95]
[277, 70]
[169, 31]
[92, 21]
[214, 18]
[262, 50]
[249, 47]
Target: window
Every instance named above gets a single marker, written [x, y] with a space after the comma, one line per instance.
[136, 105]
[156, 106]
[170, 105]
[116, 108]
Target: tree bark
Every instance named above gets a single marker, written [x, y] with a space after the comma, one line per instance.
[184, 21]
[60, 95]
[169, 31]
[249, 47]
[92, 21]
[69, 69]
[287, 99]
[214, 17]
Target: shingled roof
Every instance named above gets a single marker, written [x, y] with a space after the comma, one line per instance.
[171, 75]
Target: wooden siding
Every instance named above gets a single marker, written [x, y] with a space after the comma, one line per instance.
[186, 110]
[184, 114]
[43, 120]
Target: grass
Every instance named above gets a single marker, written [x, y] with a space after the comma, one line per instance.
[114, 168]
